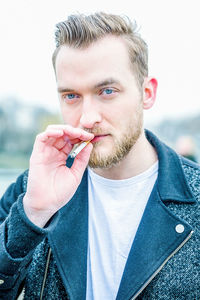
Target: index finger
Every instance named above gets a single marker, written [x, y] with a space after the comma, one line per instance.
[73, 133]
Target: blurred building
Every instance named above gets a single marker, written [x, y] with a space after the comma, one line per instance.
[183, 131]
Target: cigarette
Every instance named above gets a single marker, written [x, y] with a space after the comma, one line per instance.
[79, 149]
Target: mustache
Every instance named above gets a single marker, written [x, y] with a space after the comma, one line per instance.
[95, 131]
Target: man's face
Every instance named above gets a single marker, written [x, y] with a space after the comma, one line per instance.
[98, 92]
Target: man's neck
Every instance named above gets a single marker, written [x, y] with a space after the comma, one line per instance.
[141, 157]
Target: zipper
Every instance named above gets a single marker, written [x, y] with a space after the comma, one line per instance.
[45, 273]
[22, 294]
[162, 265]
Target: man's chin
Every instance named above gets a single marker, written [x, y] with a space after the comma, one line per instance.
[100, 164]
[100, 158]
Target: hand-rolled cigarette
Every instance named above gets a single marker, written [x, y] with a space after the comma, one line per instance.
[79, 149]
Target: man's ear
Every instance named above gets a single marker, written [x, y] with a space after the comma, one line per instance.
[149, 92]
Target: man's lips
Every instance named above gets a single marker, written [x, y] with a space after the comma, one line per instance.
[98, 138]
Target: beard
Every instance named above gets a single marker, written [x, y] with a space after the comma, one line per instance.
[122, 144]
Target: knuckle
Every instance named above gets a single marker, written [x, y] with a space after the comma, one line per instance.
[39, 135]
[49, 127]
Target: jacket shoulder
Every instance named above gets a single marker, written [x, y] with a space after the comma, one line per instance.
[12, 193]
[192, 174]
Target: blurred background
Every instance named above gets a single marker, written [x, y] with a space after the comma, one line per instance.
[28, 98]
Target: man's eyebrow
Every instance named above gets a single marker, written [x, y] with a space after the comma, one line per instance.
[64, 90]
[106, 82]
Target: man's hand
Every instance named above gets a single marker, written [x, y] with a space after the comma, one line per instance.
[51, 183]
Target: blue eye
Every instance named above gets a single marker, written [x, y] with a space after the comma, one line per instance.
[108, 91]
[71, 96]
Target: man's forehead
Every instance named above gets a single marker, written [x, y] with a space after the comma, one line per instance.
[90, 67]
[107, 46]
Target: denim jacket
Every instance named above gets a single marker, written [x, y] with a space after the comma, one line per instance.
[51, 262]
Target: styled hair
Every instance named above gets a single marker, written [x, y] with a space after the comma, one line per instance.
[80, 31]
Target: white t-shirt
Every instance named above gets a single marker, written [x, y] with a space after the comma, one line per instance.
[115, 210]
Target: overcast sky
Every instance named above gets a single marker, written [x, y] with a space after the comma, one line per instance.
[170, 28]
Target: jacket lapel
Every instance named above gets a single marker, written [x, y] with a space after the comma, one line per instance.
[69, 242]
[155, 241]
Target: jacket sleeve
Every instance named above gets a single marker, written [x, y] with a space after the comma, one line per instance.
[18, 239]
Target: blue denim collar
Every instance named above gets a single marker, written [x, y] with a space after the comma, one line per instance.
[172, 183]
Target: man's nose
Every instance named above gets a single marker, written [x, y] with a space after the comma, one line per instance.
[90, 114]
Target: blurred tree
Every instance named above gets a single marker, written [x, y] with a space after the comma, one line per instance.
[185, 146]
[19, 124]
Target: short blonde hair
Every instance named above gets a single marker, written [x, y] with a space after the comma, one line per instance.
[79, 31]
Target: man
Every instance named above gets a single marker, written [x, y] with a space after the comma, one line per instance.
[126, 226]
